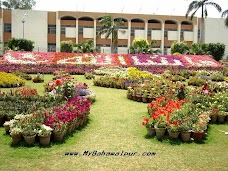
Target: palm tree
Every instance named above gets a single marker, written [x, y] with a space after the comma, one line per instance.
[111, 27]
[194, 6]
[225, 14]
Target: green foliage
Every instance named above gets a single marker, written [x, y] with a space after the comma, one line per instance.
[142, 46]
[18, 44]
[180, 47]
[19, 4]
[198, 49]
[85, 47]
[66, 46]
[216, 50]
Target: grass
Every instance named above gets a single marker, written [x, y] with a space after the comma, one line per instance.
[115, 126]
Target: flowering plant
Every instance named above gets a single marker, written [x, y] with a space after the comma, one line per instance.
[173, 127]
[148, 122]
[29, 130]
[161, 122]
[44, 130]
[15, 131]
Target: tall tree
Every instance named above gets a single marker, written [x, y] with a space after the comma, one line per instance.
[19, 4]
[111, 27]
[194, 6]
[225, 14]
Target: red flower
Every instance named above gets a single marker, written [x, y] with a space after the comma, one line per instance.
[58, 82]
[182, 86]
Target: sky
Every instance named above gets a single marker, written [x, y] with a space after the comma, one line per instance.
[159, 7]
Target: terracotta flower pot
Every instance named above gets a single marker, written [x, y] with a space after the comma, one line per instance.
[45, 139]
[16, 138]
[213, 118]
[58, 136]
[30, 140]
[198, 136]
[173, 135]
[150, 132]
[221, 119]
[144, 99]
[186, 136]
[160, 132]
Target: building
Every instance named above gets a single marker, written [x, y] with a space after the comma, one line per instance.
[48, 29]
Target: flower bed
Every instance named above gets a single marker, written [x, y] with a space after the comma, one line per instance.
[9, 80]
[152, 63]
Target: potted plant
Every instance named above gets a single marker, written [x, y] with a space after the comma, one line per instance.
[8, 124]
[149, 124]
[39, 78]
[160, 126]
[16, 135]
[221, 116]
[44, 134]
[145, 96]
[59, 130]
[29, 133]
[173, 130]
[213, 115]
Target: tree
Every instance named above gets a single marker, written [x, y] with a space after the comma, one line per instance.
[194, 6]
[111, 27]
[19, 4]
[225, 14]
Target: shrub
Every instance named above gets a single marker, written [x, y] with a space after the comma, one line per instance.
[66, 46]
[198, 49]
[18, 44]
[180, 47]
[216, 50]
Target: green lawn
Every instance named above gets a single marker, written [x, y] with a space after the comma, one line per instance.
[115, 126]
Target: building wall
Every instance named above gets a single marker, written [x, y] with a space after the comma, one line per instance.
[216, 32]
[35, 27]
[37, 22]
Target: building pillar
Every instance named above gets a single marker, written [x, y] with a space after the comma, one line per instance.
[162, 37]
[58, 32]
[94, 33]
[76, 31]
[195, 32]
[129, 34]
[178, 31]
[146, 29]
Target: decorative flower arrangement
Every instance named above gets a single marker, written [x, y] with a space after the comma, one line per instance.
[104, 59]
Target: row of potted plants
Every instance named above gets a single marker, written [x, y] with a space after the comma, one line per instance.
[177, 117]
[58, 121]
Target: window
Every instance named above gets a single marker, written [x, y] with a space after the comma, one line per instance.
[51, 47]
[166, 33]
[7, 28]
[80, 29]
[51, 29]
[182, 33]
[63, 28]
[132, 32]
